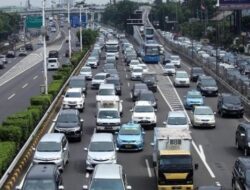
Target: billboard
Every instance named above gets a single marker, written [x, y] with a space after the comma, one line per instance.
[234, 4]
[75, 20]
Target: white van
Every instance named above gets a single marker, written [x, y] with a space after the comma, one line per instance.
[53, 64]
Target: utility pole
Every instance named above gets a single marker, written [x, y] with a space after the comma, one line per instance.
[44, 32]
[69, 29]
[81, 27]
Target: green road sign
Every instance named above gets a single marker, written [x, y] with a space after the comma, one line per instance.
[33, 21]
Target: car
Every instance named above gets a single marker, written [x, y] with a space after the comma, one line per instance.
[169, 69]
[101, 150]
[181, 79]
[136, 73]
[98, 79]
[108, 66]
[176, 119]
[130, 137]
[66, 53]
[111, 60]
[2, 65]
[87, 72]
[133, 63]
[108, 176]
[116, 81]
[22, 52]
[144, 67]
[92, 62]
[229, 104]
[242, 137]
[176, 60]
[149, 78]
[11, 54]
[203, 116]
[193, 98]
[74, 99]
[105, 90]
[241, 173]
[144, 113]
[137, 87]
[52, 148]
[53, 63]
[207, 86]
[148, 95]
[195, 73]
[29, 47]
[53, 54]
[78, 81]
[3, 58]
[42, 176]
[70, 123]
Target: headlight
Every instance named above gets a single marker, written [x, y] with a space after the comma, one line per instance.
[89, 159]
[57, 158]
[248, 144]
[113, 157]
[138, 142]
[197, 119]
[224, 107]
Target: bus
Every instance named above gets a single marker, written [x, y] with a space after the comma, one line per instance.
[148, 32]
[151, 53]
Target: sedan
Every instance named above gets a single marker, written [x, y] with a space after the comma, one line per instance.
[181, 79]
[87, 72]
[130, 137]
[193, 98]
[203, 116]
[169, 69]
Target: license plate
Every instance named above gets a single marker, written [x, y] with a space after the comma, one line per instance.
[128, 146]
[109, 127]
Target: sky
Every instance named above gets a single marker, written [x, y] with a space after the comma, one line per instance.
[38, 3]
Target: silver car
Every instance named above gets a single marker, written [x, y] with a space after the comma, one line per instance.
[87, 72]
[101, 149]
[52, 148]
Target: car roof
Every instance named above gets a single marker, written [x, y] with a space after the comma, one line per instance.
[131, 124]
[103, 137]
[55, 137]
[101, 74]
[107, 86]
[68, 111]
[202, 107]
[140, 84]
[176, 114]
[77, 77]
[107, 171]
[195, 92]
[74, 90]
[245, 161]
[142, 103]
[42, 171]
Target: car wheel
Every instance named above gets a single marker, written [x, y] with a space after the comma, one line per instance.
[237, 145]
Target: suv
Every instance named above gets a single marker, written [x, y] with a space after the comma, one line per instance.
[108, 176]
[78, 82]
[207, 86]
[137, 88]
[150, 80]
[42, 176]
[242, 137]
[230, 104]
[74, 98]
[116, 81]
[241, 173]
[101, 149]
[69, 123]
[53, 148]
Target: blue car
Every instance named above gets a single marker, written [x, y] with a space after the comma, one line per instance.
[130, 137]
[193, 98]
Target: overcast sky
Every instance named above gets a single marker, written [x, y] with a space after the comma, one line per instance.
[38, 3]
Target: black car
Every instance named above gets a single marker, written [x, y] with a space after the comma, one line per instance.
[69, 122]
[1, 65]
[29, 47]
[53, 54]
[229, 104]
[148, 95]
[207, 86]
[78, 82]
[150, 80]
[116, 81]
[195, 73]
[11, 54]
[241, 174]
[42, 176]
[242, 137]
[136, 90]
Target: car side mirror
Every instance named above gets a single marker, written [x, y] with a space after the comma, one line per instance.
[81, 120]
[85, 187]
[196, 166]
[128, 187]
[18, 187]
[64, 149]
[143, 132]
[164, 122]
[242, 135]
[86, 149]
[61, 187]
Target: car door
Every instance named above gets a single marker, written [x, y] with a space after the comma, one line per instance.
[65, 147]
[242, 136]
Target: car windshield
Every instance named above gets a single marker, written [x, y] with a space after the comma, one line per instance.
[49, 147]
[138, 87]
[147, 97]
[73, 95]
[235, 100]
[169, 66]
[76, 83]
[137, 70]
[203, 111]
[67, 118]
[86, 69]
[106, 92]
[100, 77]
[177, 121]
[92, 59]
[208, 82]
[194, 95]
[106, 184]
[108, 114]
[101, 146]
[39, 184]
[142, 109]
[113, 81]
[181, 75]
[175, 161]
[175, 58]
[130, 131]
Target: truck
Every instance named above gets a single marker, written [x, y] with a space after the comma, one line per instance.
[109, 102]
[172, 158]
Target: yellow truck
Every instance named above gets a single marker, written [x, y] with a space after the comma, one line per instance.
[172, 159]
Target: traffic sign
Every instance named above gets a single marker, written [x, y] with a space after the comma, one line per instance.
[33, 21]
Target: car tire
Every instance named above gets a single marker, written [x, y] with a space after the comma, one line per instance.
[237, 145]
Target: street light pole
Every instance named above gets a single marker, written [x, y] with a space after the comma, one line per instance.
[44, 51]
[81, 27]
[69, 28]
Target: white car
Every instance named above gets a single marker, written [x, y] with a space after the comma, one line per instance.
[176, 60]
[133, 62]
[203, 116]
[92, 62]
[169, 69]
[144, 113]
[144, 67]
[87, 72]
[98, 79]
[3, 58]
[74, 98]
[181, 79]
[136, 73]
[176, 119]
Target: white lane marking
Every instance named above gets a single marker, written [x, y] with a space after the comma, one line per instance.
[126, 76]
[131, 95]
[202, 152]
[35, 77]
[87, 175]
[25, 85]
[248, 120]
[203, 160]
[11, 96]
[218, 183]
[164, 98]
[128, 84]
[148, 168]
[124, 68]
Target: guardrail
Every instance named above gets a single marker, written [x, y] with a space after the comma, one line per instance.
[9, 174]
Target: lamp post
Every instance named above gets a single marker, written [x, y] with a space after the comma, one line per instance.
[81, 28]
[44, 32]
[69, 29]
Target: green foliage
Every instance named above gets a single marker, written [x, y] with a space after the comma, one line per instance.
[7, 153]
[11, 133]
[88, 37]
[54, 87]
[36, 112]
[43, 100]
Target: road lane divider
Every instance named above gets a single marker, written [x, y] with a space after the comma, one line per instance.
[11, 96]
[25, 85]
[148, 168]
